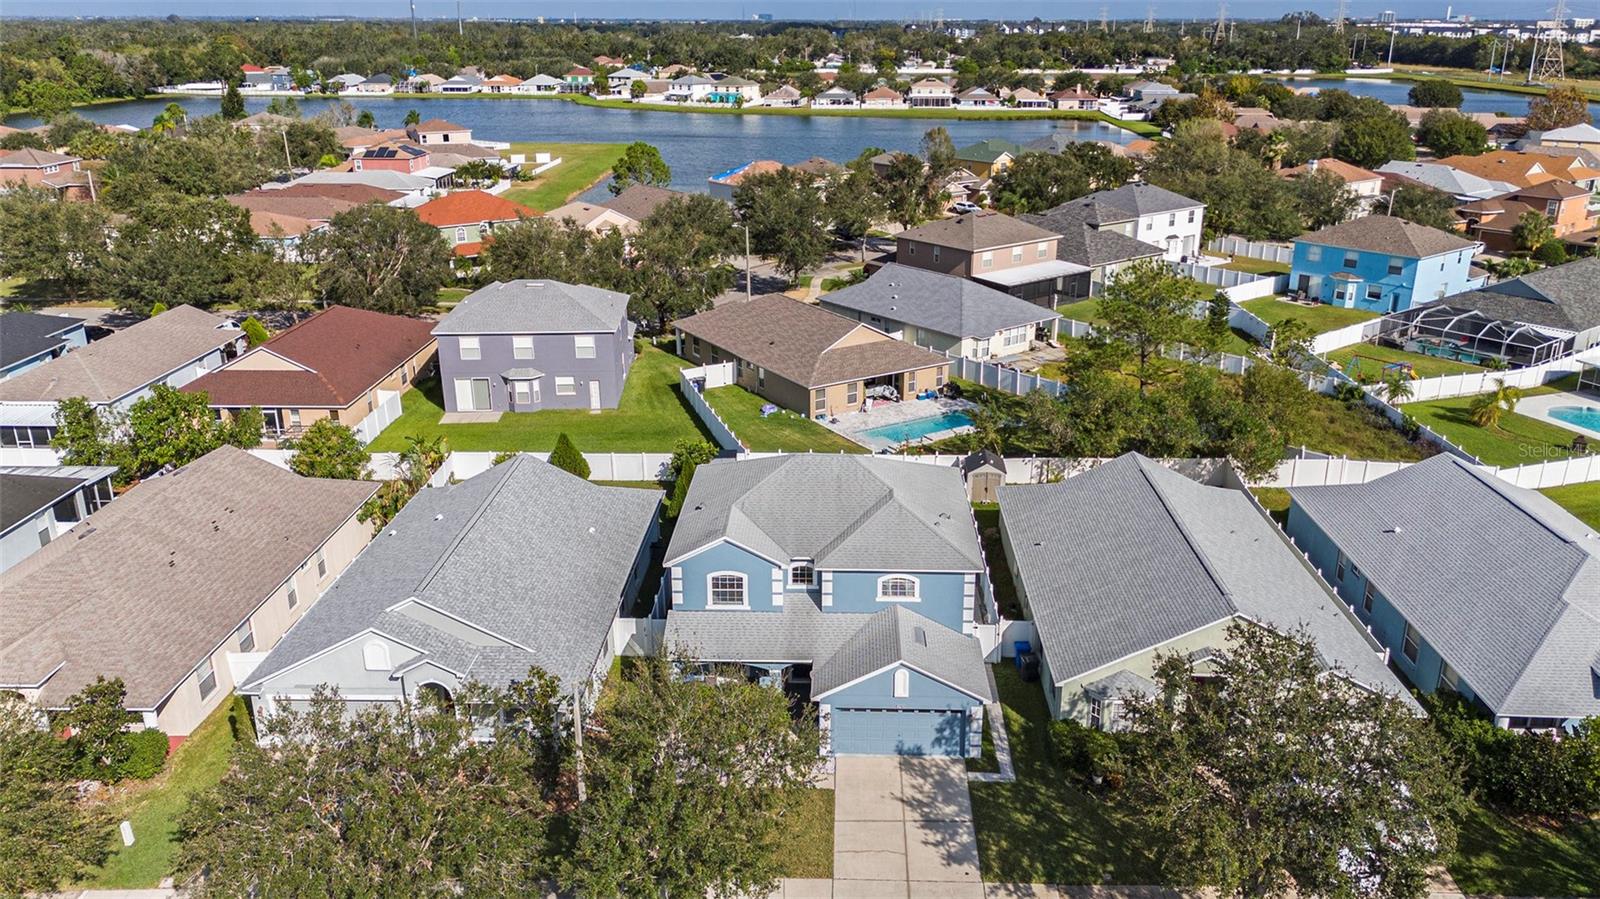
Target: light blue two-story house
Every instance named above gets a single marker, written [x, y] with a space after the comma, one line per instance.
[1382, 264]
[1475, 585]
[853, 582]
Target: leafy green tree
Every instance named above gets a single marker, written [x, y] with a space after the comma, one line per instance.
[413, 117]
[1372, 140]
[255, 331]
[89, 436]
[1487, 409]
[171, 427]
[1324, 199]
[1275, 776]
[366, 119]
[679, 258]
[1036, 182]
[640, 163]
[44, 239]
[1436, 95]
[288, 107]
[328, 449]
[1560, 107]
[379, 257]
[1552, 252]
[232, 103]
[413, 468]
[637, 89]
[23, 140]
[1425, 206]
[96, 717]
[1449, 133]
[178, 250]
[1532, 231]
[786, 217]
[170, 118]
[566, 457]
[50, 837]
[561, 251]
[408, 797]
[1147, 306]
[478, 172]
[212, 158]
[687, 456]
[309, 141]
[853, 205]
[1289, 340]
[672, 760]
[903, 185]
[1241, 196]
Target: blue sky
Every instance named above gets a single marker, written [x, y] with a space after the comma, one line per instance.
[878, 9]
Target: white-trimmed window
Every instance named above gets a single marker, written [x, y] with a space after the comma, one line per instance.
[375, 656]
[246, 637]
[322, 565]
[1366, 598]
[987, 260]
[524, 396]
[1042, 251]
[802, 573]
[902, 683]
[1096, 711]
[1448, 678]
[565, 386]
[583, 346]
[469, 348]
[522, 346]
[1313, 253]
[1409, 644]
[898, 588]
[461, 235]
[1016, 254]
[207, 677]
[726, 588]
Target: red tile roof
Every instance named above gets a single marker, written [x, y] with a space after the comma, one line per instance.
[470, 249]
[469, 207]
[345, 352]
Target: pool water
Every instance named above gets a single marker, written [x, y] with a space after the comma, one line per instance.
[1586, 417]
[919, 427]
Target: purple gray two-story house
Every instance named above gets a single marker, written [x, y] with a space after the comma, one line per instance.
[522, 346]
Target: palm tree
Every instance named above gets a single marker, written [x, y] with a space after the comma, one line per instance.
[1487, 409]
[1397, 389]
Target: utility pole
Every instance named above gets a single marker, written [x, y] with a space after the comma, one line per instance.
[1391, 45]
[749, 291]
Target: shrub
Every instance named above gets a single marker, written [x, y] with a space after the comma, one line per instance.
[567, 458]
[157, 309]
[1086, 753]
[1551, 252]
[1520, 771]
[144, 753]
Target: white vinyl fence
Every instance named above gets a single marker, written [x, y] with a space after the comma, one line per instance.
[1238, 246]
[1328, 341]
[1473, 383]
[691, 382]
[1238, 286]
[388, 410]
[463, 465]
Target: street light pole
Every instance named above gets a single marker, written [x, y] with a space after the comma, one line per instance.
[749, 292]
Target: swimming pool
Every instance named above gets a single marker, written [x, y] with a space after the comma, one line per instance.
[1586, 417]
[919, 427]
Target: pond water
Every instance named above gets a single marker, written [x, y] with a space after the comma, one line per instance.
[1395, 93]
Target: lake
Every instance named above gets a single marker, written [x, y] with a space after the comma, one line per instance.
[1395, 93]
[695, 145]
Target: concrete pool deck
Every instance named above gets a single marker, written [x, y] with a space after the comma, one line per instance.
[854, 425]
[1538, 407]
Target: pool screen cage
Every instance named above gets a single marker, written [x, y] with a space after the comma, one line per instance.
[1474, 333]
[1588, 377]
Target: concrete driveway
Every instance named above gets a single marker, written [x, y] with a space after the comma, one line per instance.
[903, 828]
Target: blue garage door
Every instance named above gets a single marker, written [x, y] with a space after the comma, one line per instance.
[899, 732]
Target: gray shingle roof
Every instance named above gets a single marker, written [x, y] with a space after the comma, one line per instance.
[976, 231]
[27, 334]
[536, 307]
[1565, 296]
[1131, 555]
[116, 366]
[1500, 580]
[1387, 234]
[639, 201]
[149, 585]
[800, 632]
[1077, 221]
[1141, 199]
[1121, 682]
[525, 551]
[860, 513]
[943, 303]
[898, 634]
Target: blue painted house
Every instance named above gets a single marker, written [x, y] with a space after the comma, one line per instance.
[1382, 264]
[1475, 585]
[853, 582]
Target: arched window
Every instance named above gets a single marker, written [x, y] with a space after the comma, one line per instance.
[902, 683]
[898, 588]
[437, 695]
[375, 655]
[726, 588]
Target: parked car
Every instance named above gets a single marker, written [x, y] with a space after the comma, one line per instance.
[964, 206]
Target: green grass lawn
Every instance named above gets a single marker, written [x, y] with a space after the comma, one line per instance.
[1517, 440]
[1320, 317]
[582, 167]
[652, 417]
[1083, 311]
[1257, 266]
[1275, 500]
[1425, 366]
[987, 516]
[154, 808]
[806, 848]
[449, 296]
[1582, 500]
[1496, 855]
[784, 431]
[1042, 828]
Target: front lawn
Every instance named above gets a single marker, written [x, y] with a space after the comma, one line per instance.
[1374, 356]
[1582, 500]
[652, 417]
[783, 431]
[1496, 855]
[805, 848]
[1042, 828]
[1516, 440]
[1321, 317]
[582, 167]
[154, 807]
[1257, 266]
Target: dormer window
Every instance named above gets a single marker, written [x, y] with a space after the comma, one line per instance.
[898, 588]
[802, 573]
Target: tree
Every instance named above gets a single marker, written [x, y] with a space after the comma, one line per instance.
[413, 117]
[50, 836]
[288, 107]
[566, 457]
[255, 331]
[1289, 340]
[1449, 133]
[1273, 776]
[640, 163]
[87, 436]
[407, 796]
[1373, 139]
[686, 457]
[366, 119]
[173, 428]
[379, 257]
[1435, 94]
[1147, 306]
[637, 88]
[904, 189]
[1241, 196]
[1559, 108]
[178, 249]
[561, 251]
[852, 204]
[1325, 199]
[309, 142]
[170, 118]
[1532, 231]
[96, 717]
[413, 468]
[1487, 409]
[328, 449]
[785, 215]
[672, 760]
[1425, 206]
[232, 103]
[1036, 182]
[44, 239]
[679, 256]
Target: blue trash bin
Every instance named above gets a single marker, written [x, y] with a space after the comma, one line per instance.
[1022, 648]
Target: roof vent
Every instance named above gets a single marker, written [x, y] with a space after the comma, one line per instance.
[439, 517]
[591, 529]
[1393, 530]
[919, 635]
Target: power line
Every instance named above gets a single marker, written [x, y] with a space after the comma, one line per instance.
[1550, 60]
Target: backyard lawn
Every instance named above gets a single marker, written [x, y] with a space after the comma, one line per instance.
[783, 431]
[582, 167]
[1320, 317]
[1517, 440]
[1357, 432]
[652, 417]
[987, 516]
[1083, 311]
[1042, 828]
[1582, 500]
[1425, 366]
[1496, 855]
[1257, 266]
[154, 807]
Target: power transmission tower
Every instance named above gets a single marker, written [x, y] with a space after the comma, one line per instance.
[1104, 12]
[1339, 17]
[1550, 59]
[413, 19]
[1149, 19]
[1221, 34]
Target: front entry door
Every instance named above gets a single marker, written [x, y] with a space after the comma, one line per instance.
[594, 396]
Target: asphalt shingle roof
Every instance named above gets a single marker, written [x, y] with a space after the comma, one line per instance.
[524, 551]
[799, 632]
[1133, 200]
[1500, 580]
[1387, 234]
[23, 495]
[638, 201]
[527, 306]
[1563, 296]
[943, 303]
[1131, 555]
[1082, 243]
[898, 634]
[27, 334]
[977, 231]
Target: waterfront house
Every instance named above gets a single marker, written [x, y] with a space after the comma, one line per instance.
[724, 183]
[1076, 98]
[30, 339]
[1024, 98]
[1131, 561]
[883, 97]
[467, 218]
[835, 98]
[944, 313]
[177, 586]
[931, 92]
[805, 358]
[398, 157]
[522, 566]
[784, 95]
[690, 89]
[734, 91]
[996, 249]
[1382, 264]
[432, 132]
[620, 81]
[1476, 586]
[866, 604]
[39, 503]
[988, 157]
[977, 98]
[579, 80]
[1367, 186]
[502, 84]
[523, 346]
[540, 84]
[377, 84]
[342, 364]
[422, 83]
[460, 84]
[114, 372]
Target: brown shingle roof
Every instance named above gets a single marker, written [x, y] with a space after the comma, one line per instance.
[637, 201]
[29, 158]
[977, 231]
[796, 341]
[1351, 174]
[355, 193]
[1387, 234]
[346, 352]
[149, 585]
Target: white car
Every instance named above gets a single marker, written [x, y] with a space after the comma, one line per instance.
[964, 207]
